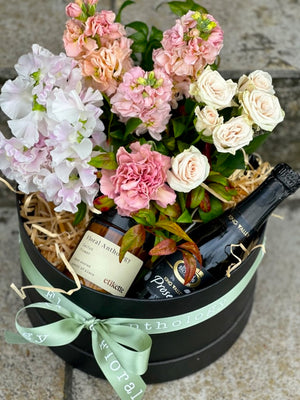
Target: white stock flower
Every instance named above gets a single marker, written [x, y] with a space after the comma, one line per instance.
[207, 119]
[233, 135]
[188, 170]
[262, 108]
[258, 79]
[213, 90]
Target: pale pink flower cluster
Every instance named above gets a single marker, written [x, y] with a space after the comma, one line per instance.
[194, 41]
[140, 177]
[55, 126]
[100, 46]
[144, 95]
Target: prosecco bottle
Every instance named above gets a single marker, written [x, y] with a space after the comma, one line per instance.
[96, 258]
[238, 225]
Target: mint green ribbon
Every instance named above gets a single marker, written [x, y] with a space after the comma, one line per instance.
[121, 346]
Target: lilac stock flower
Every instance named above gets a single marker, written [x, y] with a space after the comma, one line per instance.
[55, 126]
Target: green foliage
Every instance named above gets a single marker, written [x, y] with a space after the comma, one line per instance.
[124, 5]
[216, 209]
[82, 208]
[104, 160]
[182, 7]
[144, 42]
[134, 238]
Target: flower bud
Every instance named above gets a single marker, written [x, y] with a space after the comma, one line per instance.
[73, 10]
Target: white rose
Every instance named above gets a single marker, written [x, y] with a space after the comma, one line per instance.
[189, 169]
[258, 79]
[233, 135]
[212, 89]
[207, 119]
[263, 108]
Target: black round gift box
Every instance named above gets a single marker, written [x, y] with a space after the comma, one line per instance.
[173, 355]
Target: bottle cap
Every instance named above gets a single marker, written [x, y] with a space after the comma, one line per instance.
[287, 176]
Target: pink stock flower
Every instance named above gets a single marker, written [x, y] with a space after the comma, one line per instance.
[194, 41]
[103, 24]
[144, 95]
[73, 38]
[107, 65]
[139, 178]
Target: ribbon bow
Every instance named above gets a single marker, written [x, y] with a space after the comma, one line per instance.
[121, 351]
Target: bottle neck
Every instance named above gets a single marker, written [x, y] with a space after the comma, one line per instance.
[256, 207]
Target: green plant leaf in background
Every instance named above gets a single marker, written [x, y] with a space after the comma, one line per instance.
[125, 4]
[182, 7]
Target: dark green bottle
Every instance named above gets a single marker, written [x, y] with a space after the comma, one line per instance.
[239, 225]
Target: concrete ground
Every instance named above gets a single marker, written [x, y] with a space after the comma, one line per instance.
[264, 363]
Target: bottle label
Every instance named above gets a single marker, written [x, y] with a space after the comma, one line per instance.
[241, 224]
[97, 260]
[167, 280]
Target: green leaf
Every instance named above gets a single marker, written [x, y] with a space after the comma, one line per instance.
[80, 213]
[125, 4]
[174, 228]
[170, 143]
[104, 160]
[172, 211]
[182, 146]
[117, 134]
[217, 178]
[223, 191]
[182, 200]
[256, 142]
[155, 34]
[131, 125]
[196, 196]
[182, 7]
[134, 238]
[140, 27]
[164, 248]
[185, 217]
[178, 127]
[145, 217]
[216, 209]
[227, 163]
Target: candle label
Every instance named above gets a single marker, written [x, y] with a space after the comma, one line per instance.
[97, 260]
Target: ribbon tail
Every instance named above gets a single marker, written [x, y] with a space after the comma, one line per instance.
[127, 386]
[14, 338]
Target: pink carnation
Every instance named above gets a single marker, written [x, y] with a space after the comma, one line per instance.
[139, 178]
[144, 95]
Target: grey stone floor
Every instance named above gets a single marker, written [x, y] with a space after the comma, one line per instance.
[264, 363]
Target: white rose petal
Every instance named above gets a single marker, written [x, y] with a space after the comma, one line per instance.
[207, 119]
[213, 90]
[258, 79]
[263, 108]
[189, 169]
[233, 135]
